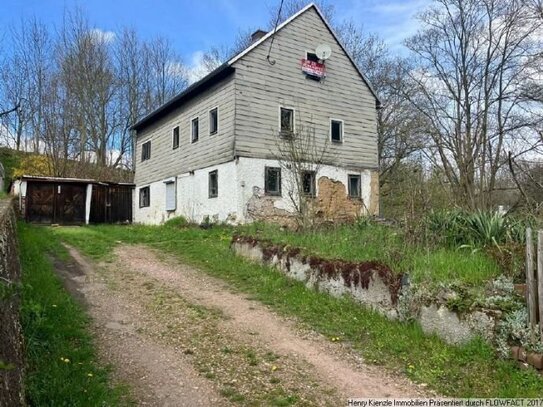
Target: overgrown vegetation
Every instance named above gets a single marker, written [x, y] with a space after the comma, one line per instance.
[366, 241]
[61, 367]
[466, 371]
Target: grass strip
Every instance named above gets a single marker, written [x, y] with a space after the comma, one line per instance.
[61, 365]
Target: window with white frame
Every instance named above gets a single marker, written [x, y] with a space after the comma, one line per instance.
[175, 137]
[213, 184]
[195, 130]
[286, 121]
[355, 190]
[214, 121]
[272, 181]
[145, 197]
[336, 131]
[309, 187]
[171, 202]
[146, 151]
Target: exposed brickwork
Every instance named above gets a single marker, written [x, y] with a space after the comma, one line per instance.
[261, 207]
[334, 205]
[11, 354]
[373, 208]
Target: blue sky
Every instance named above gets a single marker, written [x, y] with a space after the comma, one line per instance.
[195, 25]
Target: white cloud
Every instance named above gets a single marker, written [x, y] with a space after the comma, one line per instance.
[197, 68]
[102, 36]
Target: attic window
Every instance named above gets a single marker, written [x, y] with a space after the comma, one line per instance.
[311, 56]
[336, 131]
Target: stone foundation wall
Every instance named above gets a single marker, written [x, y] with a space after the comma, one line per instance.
[11, 346]
[371, 284]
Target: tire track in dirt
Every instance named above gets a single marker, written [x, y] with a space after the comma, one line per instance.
[256, 325]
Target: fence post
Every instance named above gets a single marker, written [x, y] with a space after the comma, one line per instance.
[540, 279]
[530, 283]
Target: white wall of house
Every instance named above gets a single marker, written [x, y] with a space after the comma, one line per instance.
[239, 180]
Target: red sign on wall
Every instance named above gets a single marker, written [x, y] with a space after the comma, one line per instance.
[313, 68]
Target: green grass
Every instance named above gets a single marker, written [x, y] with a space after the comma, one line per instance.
[61, 364]
[468, 371]
[433, 267]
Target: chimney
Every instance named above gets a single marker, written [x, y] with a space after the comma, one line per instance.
[257, 35]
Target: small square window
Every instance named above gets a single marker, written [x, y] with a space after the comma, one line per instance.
[214, 121]
[287, 121]
[336, 131]
[311, 56]
[354, 186]
[145, 197]
[195, 130]
[146, 151]
[308, 183]
[272, 181]
[175, 137]
[213, 184]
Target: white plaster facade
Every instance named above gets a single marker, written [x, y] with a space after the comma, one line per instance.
[238, 181]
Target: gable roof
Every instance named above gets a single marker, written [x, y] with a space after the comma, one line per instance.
[226, 69]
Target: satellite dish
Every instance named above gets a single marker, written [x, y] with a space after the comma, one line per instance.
[323, 51]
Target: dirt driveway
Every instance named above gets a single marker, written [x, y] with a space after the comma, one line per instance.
[179, 337]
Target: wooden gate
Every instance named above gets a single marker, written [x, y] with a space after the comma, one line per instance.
[111, 204]
[49, 202]
[534, 282]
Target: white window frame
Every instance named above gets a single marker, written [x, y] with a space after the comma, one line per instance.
[293, 117]
[141, 152]
[342, 130]
[139, 196]
[310, 52]
[178, 127]
[170, 181]
[359, 196]
[199, 129]
[209, 118]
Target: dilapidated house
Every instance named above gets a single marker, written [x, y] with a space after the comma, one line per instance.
[212, 151]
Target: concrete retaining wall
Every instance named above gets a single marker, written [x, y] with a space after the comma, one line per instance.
[11, 346]
[370, 284]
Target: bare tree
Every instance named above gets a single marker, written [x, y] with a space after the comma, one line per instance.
[471, 63]
[301, 155]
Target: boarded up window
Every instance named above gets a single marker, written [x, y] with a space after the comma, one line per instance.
[213, 184]
[308, 183]
[195, 126]
[214, 121]
[171, 202]
[146, 151]
[145, 197]
[272, 181]
[354, 186]
[287, 121]
[336, 131]
[175, 137]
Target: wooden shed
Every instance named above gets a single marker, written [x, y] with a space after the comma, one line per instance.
[74, 201]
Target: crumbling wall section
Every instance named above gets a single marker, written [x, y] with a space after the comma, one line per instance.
[11, 343]
[334, 204]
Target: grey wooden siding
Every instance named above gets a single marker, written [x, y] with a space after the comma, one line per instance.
[261, 88]
[208, 150]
